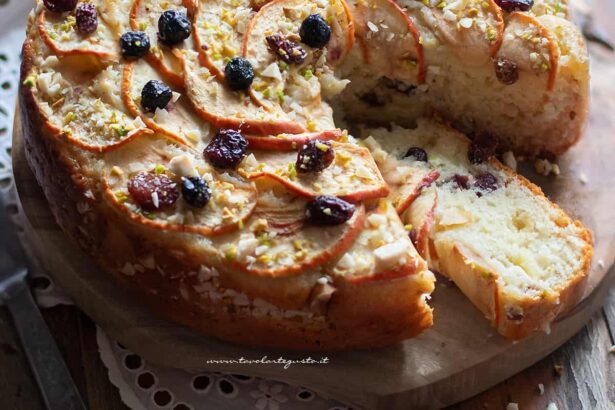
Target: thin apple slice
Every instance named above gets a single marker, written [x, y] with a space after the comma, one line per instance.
[278, 242]
[87, 111]
[420, 217]
[116, 14]
[224, 108]
[383, 250]
[177, 121]
[59, 32]
[353, 175]
[219, 27]
[232, 198]
[290, 142]
[144, 16]
[298, 87]
[532, 47]
[390, 40]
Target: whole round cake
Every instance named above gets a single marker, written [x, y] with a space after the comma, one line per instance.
[196, 150]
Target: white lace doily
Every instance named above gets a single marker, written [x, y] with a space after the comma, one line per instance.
[141, 385]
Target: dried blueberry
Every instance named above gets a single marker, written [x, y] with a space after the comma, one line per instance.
[134, 44]
[512, 5]
[227, 149]
[60, 6]
[461, 181]
[417, 153]
[195, 191]
[314, 156]
[239, 74]
[286, 50]
[155, 94]
[483, 147]
[86, 18]
[152, 191]
[486, 182]
[506, 71]
[328, 210]
[173, 27]
[314, 31]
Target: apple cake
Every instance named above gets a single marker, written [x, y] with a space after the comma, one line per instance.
[191, 148]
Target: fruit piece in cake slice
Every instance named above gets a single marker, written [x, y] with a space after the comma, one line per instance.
[532, 47]
[382, 278]
[291, 142]
[288, 70]
[86, 111]
[219, 28]
[160, 184]
[218, 104]
[406, 180]
[116, 14]
[389, 40]
[144, 16]
[279, 240]
[353, 174]
[517, 256]
[173, 116]
[63, 37]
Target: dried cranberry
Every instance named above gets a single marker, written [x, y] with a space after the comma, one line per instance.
[461, 181]
[417, 153]
[328, 210]
[173, 27]
[506, 71]
[414, 236]
[314, 31]
[286, 50]
[512, 5]
[60, 6]
[486, 182]
[483, 147]
[86, 18]
[227, 149]
[195, 191]
[314, 156]
[153, 191]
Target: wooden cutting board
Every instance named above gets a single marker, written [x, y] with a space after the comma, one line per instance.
[456, 359]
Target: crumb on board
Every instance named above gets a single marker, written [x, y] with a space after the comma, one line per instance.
[612, 349]
[541, 388]
[558, 369]
[545, 167]
[512, 406]
[601, 264]
[552, 406]
[583, 178]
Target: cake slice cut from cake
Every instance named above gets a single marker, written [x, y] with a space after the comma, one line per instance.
[516, 255]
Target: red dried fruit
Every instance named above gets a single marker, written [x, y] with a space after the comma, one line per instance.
[461, 181]
[286, 50]
[512, 5]
[227, 149]
[486, 182]
[60, 6]
[483, 147]
[86, 18]
[506, 71]
[314, 156]
[328, 210]
[153, 191]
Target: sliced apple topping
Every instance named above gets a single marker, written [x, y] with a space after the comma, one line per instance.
[420, 217]
[352, 176]
[531, 46]
[219, 27]
[155, 183]
[224, 108]
[59, 32]
[278, 241]
[390, 41]
[288, 71]
[116, 13]
[382, 249]
[177, 120]
[144, 17]
[291, 142]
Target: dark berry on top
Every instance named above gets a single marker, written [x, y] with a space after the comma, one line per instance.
[314, 31]
[506, 71]
[86, 18]
[461, 181]
[328, 210]
[239, 74]
[482, 148]
[227, 149]
[486, 182]
[417, 153]
[152, 191]
[314, 156]
[195, 191]
[155, 94]
[135, 44]
[60, 6]
[286, 50]
[512, 5]
[173, 27]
